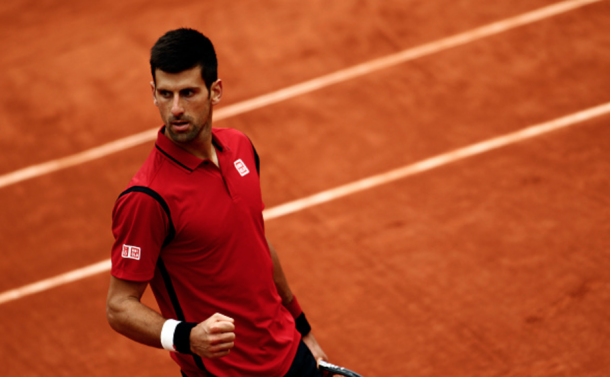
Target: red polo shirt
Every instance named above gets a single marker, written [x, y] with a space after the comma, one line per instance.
[210, 254]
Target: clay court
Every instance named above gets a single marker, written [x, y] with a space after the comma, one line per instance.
[484, 250]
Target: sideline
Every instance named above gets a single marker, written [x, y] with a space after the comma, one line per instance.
[351, 188]
[303, 88]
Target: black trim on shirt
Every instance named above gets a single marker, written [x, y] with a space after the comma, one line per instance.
[218, 146]
[173, 159]
[169, 286]
[170, 290]
[256, 158]
[153, 194]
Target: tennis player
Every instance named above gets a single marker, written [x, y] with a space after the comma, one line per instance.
[190, 225]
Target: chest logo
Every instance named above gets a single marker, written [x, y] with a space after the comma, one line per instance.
[242, 169]
[131, 252]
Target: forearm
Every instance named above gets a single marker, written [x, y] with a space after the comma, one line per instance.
[287, 299]
[131, 318]
[127, 315]
[281, 283]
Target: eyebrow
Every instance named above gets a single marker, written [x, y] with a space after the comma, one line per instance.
[192, 88]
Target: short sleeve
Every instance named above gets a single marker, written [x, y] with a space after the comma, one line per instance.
[139, 226]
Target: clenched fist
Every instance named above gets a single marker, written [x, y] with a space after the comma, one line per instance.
[214, 337]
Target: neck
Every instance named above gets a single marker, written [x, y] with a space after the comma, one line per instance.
[201, 147]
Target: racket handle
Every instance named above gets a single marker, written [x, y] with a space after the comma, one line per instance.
[335, 369]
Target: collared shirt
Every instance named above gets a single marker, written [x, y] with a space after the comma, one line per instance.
[216, 258]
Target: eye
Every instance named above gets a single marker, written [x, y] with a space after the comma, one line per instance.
[165, 93]
[187, 92]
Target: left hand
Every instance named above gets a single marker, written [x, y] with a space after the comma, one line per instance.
[314, 347]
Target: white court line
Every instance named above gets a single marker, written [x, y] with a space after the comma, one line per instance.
[435, 162]
[305, 87]
[351, 188]
[56, 281]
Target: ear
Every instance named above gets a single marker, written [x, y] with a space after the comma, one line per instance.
[154, 93]
[216, 91]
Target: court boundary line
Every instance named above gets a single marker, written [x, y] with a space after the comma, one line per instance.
[309, 86]
[348, 189]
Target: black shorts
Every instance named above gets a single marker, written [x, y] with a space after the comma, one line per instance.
[303, 365]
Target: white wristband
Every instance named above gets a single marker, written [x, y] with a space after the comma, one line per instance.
[167, 334]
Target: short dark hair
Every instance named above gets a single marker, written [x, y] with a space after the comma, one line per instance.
[182, 49]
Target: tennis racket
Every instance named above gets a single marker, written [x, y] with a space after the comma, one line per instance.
[334, 369]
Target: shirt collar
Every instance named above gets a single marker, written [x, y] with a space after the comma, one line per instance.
[217, 141]
[179, 155]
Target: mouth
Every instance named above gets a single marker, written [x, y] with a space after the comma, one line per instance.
[180, 125]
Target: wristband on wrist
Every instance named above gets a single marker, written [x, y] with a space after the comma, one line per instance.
[167, 334]
[302, 325]
[176, 336]
[182, 337]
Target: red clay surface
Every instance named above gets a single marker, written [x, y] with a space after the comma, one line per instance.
[492, 266]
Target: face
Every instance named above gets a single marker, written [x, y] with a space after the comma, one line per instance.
[185, 104]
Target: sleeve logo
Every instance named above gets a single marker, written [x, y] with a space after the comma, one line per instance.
[241, 167]
[131, 252]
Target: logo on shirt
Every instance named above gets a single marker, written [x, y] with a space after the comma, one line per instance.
[131, 252]
[241, 167]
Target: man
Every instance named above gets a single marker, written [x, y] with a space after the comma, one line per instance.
[190, 224]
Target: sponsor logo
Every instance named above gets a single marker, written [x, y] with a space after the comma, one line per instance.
[131, 252]
[241, 167]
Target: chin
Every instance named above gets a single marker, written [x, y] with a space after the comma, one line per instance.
[185, 136]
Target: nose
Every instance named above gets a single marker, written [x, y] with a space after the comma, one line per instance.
[177, 108]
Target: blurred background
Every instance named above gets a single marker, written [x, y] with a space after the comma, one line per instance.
[492, 265]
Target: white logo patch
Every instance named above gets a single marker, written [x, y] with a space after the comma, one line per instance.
[131, 252]
[241, 167]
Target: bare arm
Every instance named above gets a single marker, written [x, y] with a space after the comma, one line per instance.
[279, 278]
[129, 317]
[286, 294]
[126, 314]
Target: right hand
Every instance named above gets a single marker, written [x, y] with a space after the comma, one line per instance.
[214, 337]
